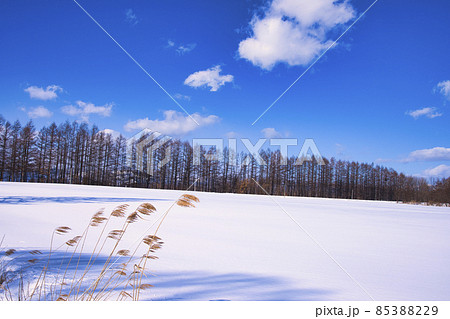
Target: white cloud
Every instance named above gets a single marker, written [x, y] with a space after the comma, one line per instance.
[231, 134]
[182, 49]
[438, 171]
[293, 31]
[49, 93]
[444, 88]
[174, 123]
[83, 110]
[270, 132]
[210, 77]
[111, 132]
[430, 112]
[131, 17]
[179, 96]
[39, 111]
[429, 155]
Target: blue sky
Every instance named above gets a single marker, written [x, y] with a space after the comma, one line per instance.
[382, 94]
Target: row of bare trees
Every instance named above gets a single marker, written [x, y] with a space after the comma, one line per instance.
[75, 153]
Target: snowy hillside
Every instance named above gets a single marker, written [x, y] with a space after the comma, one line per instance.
[246, 247]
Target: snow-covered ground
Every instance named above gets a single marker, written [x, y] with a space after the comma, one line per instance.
[246, 247]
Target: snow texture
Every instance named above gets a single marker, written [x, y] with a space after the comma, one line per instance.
[245, 247]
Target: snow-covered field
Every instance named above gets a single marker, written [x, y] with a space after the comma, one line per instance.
[245, 247]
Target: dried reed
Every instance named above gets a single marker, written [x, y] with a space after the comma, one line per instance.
[124, 280]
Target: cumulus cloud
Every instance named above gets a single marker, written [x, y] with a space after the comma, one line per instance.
[438, 171]
[293, 31]
[174, 123]
[444, 88]
[430, 112]
[84, 110]
[270, 132]
[429, 155]
[131, 17]
[39, 111]
[49, 93]
[210, 77]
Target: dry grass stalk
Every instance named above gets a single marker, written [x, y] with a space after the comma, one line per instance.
[185, 200]
[9, 252]
[62, 230]
[123, 252]
[110, 278]
[72, 242]
[115, 234]
[119, 211]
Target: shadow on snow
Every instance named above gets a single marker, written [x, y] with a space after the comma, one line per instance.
[15, 200]
[179, 285]
[197, 285]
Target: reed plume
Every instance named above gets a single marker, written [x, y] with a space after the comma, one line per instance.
[112, 279]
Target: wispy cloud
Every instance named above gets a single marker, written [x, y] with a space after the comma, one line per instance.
[174, 123]
[340, 149]
[84, 110]
[444, 88]
[49, 93]
[441, 171]
[39, 111]
[181, 48]
[383, 160]
[429, 155]
[179, 96]
[131, 17]
[231, 134]
[270, 132]
[430, 112]
[293, 31]
[210, 78]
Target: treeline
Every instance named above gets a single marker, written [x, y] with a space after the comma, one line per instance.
[75, 153]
